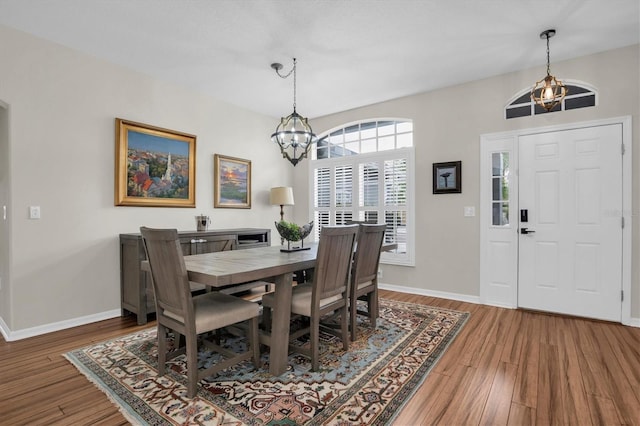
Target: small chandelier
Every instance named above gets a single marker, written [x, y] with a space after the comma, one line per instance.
[549, 91]
[293, 134]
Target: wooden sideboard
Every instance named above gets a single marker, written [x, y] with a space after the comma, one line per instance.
[135, 288]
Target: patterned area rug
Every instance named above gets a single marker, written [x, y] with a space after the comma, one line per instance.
[366, 385]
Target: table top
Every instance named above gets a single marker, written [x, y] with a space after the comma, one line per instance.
[219, 269]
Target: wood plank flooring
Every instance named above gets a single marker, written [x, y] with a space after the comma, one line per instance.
[506, 367]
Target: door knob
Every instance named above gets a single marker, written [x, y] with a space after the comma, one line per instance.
[526, 231]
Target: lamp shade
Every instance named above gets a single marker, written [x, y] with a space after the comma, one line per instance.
[282, 196]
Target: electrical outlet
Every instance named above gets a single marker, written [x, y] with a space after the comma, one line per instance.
[379, 273]
[34, 212]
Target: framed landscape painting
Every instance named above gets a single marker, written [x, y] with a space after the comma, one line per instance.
[232, 182]
[155, 167]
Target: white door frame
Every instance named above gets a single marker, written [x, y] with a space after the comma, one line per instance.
[498, 245]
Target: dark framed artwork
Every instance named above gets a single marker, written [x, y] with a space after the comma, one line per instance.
[232, 182]
[155, 167]
[447, 177]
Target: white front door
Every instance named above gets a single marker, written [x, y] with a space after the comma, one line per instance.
[570, 185]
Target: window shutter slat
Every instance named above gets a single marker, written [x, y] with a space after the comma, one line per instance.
[322, 187]
[395, 182]
[344, 186]
[368, 178]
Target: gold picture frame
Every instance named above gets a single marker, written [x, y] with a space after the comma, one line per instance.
[232, 182]
[155, 167]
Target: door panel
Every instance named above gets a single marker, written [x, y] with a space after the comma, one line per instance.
[571, 184]
[498, 258]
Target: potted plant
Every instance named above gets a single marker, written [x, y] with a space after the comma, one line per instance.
[292, 232]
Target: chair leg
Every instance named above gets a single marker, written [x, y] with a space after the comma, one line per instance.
[254, 342]
[353, 314]
[192, 365]
[344, 321]
[373, 307]
[315, 343]
[162, 348]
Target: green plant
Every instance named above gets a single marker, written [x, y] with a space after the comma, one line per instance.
[289, 230]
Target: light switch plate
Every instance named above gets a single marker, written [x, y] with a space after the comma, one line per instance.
[34, 212]
[469, 211]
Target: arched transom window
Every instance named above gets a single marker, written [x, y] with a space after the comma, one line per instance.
[579, 95]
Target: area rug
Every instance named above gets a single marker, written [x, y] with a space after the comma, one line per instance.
[366, 385]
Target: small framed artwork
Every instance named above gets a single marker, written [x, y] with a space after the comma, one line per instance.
[447, 177]
[232, 182]
[155, 167]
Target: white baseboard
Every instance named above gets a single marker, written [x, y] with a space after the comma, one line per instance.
[10, 335]
[62, 325]
[4, 329]
[432, 293]
[633, 322]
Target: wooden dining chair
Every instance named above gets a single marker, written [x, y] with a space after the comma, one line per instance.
[328, 291]
[189, 316]
[364, 274]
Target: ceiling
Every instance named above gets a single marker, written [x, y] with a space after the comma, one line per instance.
[350, 53]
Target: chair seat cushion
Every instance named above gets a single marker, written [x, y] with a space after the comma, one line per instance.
[300, 299]
[365, 284]
[215, 310]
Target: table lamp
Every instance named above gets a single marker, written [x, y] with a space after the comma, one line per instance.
[282, 196]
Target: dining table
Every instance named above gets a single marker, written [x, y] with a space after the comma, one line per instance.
[235, 267]
[273, 264]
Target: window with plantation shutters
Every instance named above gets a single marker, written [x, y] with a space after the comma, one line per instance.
[364, 172]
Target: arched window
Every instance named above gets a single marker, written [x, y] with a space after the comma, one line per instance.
[579, 95]
[364, 171]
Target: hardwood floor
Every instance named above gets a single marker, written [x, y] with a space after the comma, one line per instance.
[506, 367]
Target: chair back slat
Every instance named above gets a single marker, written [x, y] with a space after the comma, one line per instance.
[333, 262]
[367, 256]
[169, 275]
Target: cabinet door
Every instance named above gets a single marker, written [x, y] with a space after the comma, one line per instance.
[186, 247]
[211, 243]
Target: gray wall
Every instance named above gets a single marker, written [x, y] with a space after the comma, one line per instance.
[61, 144]
[447, 127]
